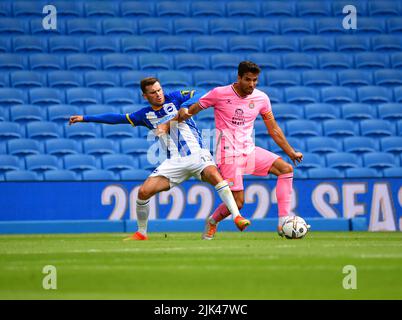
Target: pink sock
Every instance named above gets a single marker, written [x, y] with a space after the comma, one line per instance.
[220, 213]
[284, 193]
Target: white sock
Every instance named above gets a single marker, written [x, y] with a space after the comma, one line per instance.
[223, 190]
[142, 215]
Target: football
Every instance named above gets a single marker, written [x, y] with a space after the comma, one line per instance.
[295, 228]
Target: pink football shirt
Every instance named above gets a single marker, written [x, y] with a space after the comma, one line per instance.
[234, 118]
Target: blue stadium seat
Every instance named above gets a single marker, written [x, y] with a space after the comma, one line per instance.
[62, 147]
[27, 79]
[225, 61]
[396, 60]
[154, 26]
[117, 162]
[371, 60]
[244, 44]
[204, 9]
[266, 61]
[98, 175]
[324, 173]
[338, 128]
[207, 78]
[296, 143]
[360, 145]
[287, 111]
[61, 113]
[191, 62]
[301, 95]
[392, 145]
[135, 146]
[119, 96]
[321, 111]
[386, 43]
[313, 8]
[354, 78]
[24, 147]
[383, 8]
[5, 45]
[60, 175]
[119, 131]
[13, 27]
[82, 62]
[376, 128]
[79, 162]
[190, 26]
[46, 96]
[101, 79]
[358, 111]
[83, 27]
[69, 9]
[323, 145]
[11, 96]
[29, 44]
[83, 96]
[155, 62]
[311, 161]
[27, 9]
[352, 43]
[102, 44]
[319, 78]
[390, 111]
[175, 78]
[379, 160]
[368, 26]
[4, 80]
[260, 129]
[338, 95]
[21, 175]
[342, 160]
[329, 26]
[283, 78]
[43, 62]
[99, 9]
[5, 9]
[316, 43]
[394, 172]
[145, 164]
[397, 93]
[275, 95]
[388, 77]
[242, 9]
[362, 173]
[172, 9]
[374, 94]
[209, 44]
[225, 26]
[299, 61]
[335, 61]
[278, 9]
[134, 174]
[280, 44]
[26, 113]
[42, 130]
[9, 163]
[119, 62]
[173, 44]
[10, 62]
[261, 26]
[41, 162]
[99, 109]
[303, 128]
[10, 130]
[99, 146]
[64, 45]
[119, 26]
[3, 115]
[296, 26]
[137, 9]
[399, 127]
[131, 79]
[81, 131]
[64, 79]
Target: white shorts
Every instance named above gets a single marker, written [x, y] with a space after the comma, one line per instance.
[178, 170]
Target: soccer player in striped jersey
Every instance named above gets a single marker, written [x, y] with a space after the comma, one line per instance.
[185, 151]
[236, 107]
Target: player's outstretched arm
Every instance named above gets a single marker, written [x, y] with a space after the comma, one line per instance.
[109, 118]
[277, 135]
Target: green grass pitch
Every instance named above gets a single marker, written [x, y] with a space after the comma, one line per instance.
[181, 266]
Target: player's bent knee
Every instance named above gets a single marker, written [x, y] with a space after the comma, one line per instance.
[144, 193]
[287, 168]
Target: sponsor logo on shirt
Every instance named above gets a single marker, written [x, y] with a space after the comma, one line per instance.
[238, 118]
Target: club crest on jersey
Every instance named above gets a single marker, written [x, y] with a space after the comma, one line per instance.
[169, 108]
[251, 105]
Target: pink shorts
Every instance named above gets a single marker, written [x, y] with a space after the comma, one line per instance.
[257, 163]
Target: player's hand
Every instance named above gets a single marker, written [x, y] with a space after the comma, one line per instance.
[296, 157]
[161, 129]
[183, 114]
[75, 119]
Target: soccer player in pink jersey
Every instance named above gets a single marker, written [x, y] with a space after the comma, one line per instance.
[236, 107]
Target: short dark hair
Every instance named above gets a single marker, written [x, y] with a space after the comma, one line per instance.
[247, 66]
[149, 81]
